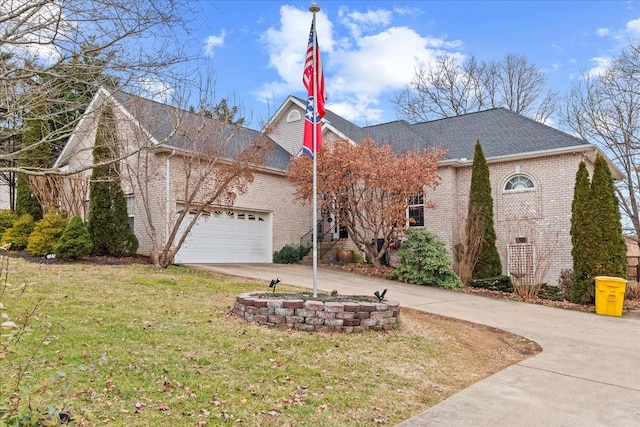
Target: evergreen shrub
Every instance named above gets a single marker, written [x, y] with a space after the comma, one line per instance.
[46, 233]
[18, 235]
[495, 283]
[481, 205]
[425, 261]
[7, 218]
[75, 241]
[289, 254]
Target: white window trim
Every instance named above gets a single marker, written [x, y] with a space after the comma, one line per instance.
[417, 205]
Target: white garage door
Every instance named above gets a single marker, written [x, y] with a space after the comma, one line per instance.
[226, 236]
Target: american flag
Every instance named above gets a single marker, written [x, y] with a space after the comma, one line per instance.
[312, 121]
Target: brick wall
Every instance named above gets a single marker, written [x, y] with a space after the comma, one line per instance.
[541, 215]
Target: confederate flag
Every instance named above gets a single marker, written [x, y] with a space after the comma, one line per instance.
[312, 122]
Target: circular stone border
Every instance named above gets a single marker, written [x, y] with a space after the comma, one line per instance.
[317, 316]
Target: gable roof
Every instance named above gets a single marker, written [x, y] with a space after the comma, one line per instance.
[159, 120]
[500, 131]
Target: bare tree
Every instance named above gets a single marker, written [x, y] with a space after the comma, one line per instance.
[468, 244]
[207, 163]
[451, 88]
[530, 254]
[605, 109]
[58, 53]
[367, 187]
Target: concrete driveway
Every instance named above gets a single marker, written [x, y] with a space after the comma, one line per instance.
[588, 373]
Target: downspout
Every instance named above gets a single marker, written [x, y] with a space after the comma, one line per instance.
[167, 176]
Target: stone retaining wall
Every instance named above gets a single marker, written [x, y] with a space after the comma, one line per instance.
[317, 316]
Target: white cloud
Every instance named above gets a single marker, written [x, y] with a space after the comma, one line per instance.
[33, 32]
[213, 42]
[406, 10]
[156, 90]
[633, 27]
[359, 22]
[286, 47]
[360, 70]
[602, 32]
[602, 64]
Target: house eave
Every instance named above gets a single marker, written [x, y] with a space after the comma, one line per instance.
[588, 151]
[168, 149]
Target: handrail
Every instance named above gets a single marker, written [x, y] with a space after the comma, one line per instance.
[306, 242]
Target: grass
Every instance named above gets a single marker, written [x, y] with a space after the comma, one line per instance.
[133, 345]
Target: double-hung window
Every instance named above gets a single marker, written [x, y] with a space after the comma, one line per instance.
[130, 199]
[415, 210]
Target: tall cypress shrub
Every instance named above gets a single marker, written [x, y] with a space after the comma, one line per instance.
[599, 248]
[481, 204]
[36, 128]
[108, 222]
[583, 237]
[612, 254]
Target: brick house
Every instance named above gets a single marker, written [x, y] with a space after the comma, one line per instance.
[262, 220]
[532, 169]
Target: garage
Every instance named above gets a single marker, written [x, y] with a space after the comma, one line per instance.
[227, 236]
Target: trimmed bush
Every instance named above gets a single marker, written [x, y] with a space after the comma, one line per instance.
[75, 241]
[425, 261]
[7, 218]
[566, 283]
[289, 254]
[552, 293]
[495, 283]
[18, 235]
[46, 233]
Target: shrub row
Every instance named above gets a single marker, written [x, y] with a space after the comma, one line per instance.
[50, 235]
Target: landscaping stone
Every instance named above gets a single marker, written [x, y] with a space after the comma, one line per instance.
[317, 316]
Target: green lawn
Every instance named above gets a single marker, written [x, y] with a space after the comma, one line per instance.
[134, 346]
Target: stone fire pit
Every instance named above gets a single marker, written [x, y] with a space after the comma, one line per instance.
[325, 313]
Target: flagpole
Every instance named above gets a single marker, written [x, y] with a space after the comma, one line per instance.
[314, 8]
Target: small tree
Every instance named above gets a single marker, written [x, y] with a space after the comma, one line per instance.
[481, 211]
[35, 156]
[367, 187]
[46, 233]
[425, 261]
[108, 218]
[75, 241]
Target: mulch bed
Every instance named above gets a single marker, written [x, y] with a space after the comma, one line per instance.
[97, 260]
[384, 271]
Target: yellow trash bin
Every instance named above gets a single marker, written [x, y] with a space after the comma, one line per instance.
[610, 295]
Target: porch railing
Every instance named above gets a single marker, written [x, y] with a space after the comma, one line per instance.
[306, 241]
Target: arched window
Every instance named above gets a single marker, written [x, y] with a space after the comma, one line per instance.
[519, 182]
[293, 116]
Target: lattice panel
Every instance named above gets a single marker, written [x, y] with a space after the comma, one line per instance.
[521, 261]
[520, 205]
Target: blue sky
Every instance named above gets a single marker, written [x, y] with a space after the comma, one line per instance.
[371, 49]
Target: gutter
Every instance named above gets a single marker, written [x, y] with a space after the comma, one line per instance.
[167, 177]
[587, 150]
